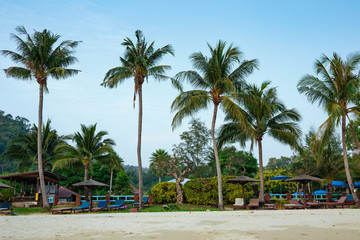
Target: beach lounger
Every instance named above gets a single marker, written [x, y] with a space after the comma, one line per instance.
[118, 205]
[239, 203]
[313, 205]
[341, 202]
[294, 204]
[145, 203]
[84, 206]
[270, 206]
[61, 210]
[6, 206]
[254, 203]
[102, 206]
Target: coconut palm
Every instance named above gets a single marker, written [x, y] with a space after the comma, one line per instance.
[39, 58]
[112, 161]
[336, 91]
[263, 114]
[216, 83]
[159, 160]
[24, 148]
[89, 147]
[139, 62]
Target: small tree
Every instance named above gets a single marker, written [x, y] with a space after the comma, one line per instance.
[178, 167]
[158, 162]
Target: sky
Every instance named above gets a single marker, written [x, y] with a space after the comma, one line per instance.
[285, 36]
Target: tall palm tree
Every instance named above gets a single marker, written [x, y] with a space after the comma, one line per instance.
[216, 83]
[336, 91]
[263, 114]
[40, 58]
[24, 148]
[139, 62]
[89, 147]
[159, 160]
[112, 161]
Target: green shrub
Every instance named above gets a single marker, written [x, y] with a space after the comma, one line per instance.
[205, 191]
[164, 192]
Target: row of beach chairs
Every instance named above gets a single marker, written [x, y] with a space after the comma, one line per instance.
[293, 204]
[102, 206]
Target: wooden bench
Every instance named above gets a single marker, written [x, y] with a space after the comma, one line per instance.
[61, 210]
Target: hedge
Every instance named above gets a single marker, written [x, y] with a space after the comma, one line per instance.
[205, 191]
[164, 192]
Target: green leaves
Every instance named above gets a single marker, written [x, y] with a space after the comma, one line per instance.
[39, 57]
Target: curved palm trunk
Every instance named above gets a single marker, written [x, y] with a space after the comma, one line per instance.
[217, 160]
[139, 148]
[86, 192]
[45, 201]
[346, 163]
[261, 194]
[111, 179]
[159, 179]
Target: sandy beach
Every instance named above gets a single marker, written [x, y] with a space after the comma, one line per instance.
[286, 224]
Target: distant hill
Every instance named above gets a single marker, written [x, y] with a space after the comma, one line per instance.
[10, 129]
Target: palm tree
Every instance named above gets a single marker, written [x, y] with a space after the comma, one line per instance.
[90, 147]
[263, 114]
[159, 160]
[216, 83]
[337, 92]
[139, 62]
[40, 58]
[24, 148]
[112, 161]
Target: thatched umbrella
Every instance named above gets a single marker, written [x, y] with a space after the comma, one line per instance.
[2, 185]
[242, 180]
[304, 179]
[90, 184]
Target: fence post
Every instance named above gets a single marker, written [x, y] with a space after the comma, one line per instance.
[136, 198]
[56, 200]
[107, 198]
[150, 199]
[78, 200]
[328, 197]
[267, 197]
[288, 196]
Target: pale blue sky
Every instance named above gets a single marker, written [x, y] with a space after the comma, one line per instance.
[286, 37]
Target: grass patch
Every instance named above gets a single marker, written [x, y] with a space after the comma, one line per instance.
[32, 210]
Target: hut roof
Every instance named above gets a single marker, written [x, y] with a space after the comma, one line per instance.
[66, 193]
[31, 177]
[242, 179]
[2, 185]
[90, 183]
[304, 179]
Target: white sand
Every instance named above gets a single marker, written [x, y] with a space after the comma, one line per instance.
[279, 224]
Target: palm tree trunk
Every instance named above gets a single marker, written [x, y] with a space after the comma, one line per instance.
[261, 194]
[217, 160]
[111, 179]
[39, 148]
[139, 148]
[159, 179]
[346, 163]
[85, 179]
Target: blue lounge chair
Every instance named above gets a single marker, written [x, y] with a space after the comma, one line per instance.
[101, 206]
[6, 206]
[145, 203]
[117, 205]
[84, 206]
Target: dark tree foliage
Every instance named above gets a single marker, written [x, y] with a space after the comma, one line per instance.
[278, 163]
[10, 129]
